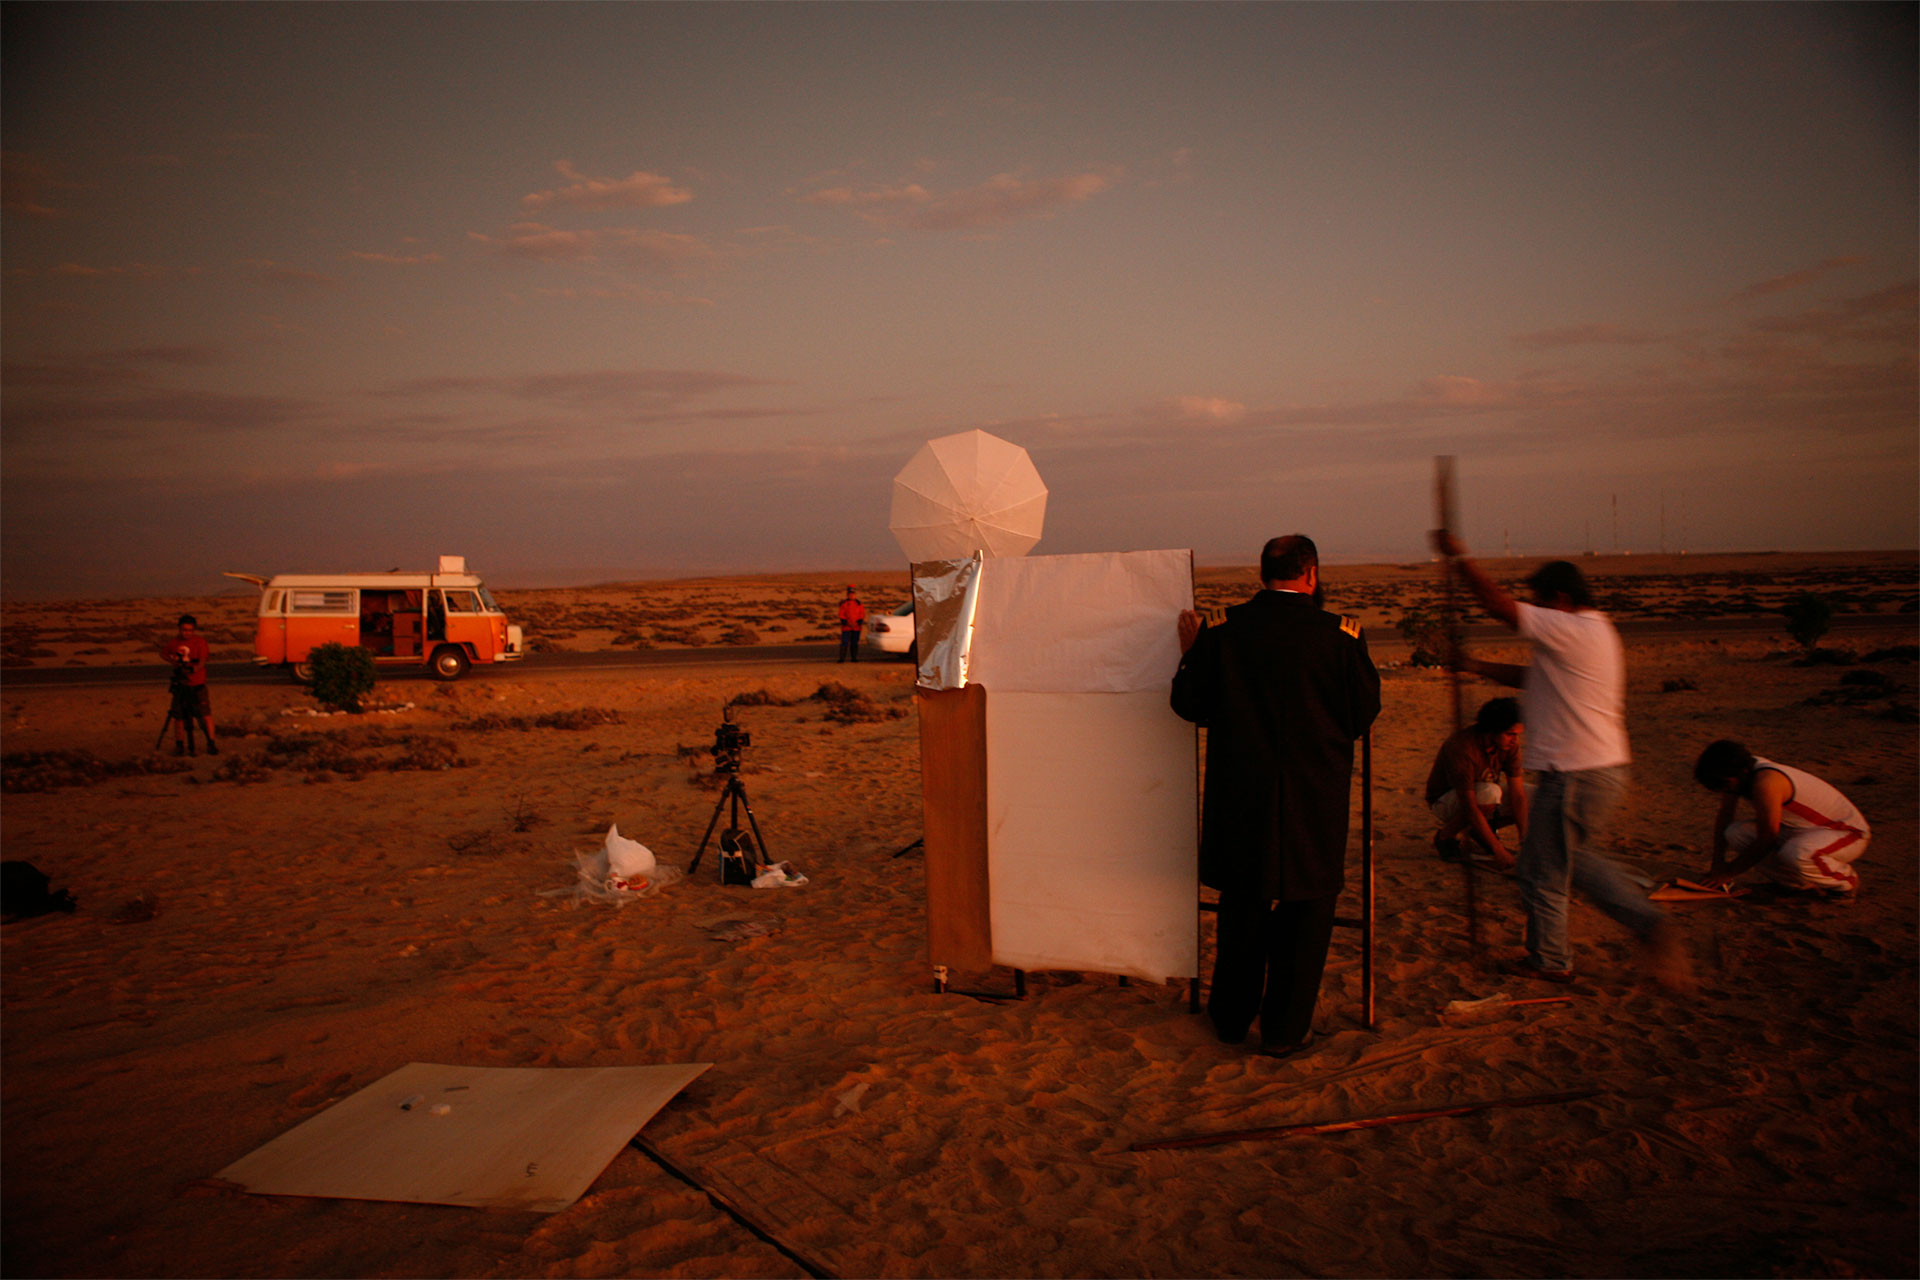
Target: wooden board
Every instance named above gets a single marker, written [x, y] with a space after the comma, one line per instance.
[490, 1137]
[953, 781]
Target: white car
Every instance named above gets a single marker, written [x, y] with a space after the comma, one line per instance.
[892, 632]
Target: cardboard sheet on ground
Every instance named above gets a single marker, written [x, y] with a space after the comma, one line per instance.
[530, 1138]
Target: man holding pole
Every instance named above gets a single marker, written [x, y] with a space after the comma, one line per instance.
[1573, 700]
[1284, 690]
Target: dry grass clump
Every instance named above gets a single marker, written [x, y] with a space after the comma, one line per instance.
[577, 719]
[851, 706]
[759, 698]
[52, 770]
[352, 754]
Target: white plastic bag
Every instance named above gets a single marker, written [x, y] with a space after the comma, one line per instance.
[627, 860]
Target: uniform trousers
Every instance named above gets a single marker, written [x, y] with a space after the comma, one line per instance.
[1268, 962]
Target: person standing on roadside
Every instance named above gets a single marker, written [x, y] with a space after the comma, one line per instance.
[1573, 702]
[187, 651]
[853, 616]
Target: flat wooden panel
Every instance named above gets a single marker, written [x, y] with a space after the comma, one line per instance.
[953, 782]
[508, 1137]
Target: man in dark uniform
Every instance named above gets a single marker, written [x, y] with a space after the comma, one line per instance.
[1283, 690]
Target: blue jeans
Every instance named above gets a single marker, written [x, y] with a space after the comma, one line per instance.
[1566, 816]
[849, 647]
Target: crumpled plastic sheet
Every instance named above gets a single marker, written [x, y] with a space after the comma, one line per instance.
[594, 883]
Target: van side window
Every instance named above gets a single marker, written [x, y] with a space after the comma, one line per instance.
[462, 602]
[315, 601]
[270, 602]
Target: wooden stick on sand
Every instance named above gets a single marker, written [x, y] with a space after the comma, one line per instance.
[1368, 1122]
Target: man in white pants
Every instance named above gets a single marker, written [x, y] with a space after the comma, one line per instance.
[1804, 835]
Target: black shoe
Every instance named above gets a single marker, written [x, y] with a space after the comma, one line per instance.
[213, 748]
[179, 748]
[1293, 1050]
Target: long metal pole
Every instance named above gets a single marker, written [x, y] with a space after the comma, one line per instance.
[1366, 866]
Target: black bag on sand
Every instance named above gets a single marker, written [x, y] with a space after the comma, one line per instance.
[738, 863]
[25, 891]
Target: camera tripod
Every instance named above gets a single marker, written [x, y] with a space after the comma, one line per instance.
[734, 794]
[179, 707]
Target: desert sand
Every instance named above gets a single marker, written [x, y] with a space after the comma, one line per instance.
[262, 933]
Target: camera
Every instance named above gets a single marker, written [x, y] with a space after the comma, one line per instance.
[729, 740]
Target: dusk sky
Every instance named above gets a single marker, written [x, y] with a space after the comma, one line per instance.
[603, 291]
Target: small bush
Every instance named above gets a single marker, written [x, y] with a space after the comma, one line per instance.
[52, 770]
[758, 698]
[1808, 615]
[1426, 631]
[342, 676]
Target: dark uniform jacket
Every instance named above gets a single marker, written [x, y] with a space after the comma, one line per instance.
[1284, 689]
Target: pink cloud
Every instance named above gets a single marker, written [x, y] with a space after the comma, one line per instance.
[1208, 409]
[1584, 335]
[658, 250]
[638, 190]
[1796, 279]
[1885, 315]
[395, 260]
[1455, 390]
[24, 179]
[1001, 199]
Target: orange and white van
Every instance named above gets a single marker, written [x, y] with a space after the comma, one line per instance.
[444, 620]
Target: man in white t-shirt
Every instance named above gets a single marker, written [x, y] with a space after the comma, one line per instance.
[1573, 700]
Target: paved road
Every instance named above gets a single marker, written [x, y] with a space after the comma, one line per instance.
[1386, 644]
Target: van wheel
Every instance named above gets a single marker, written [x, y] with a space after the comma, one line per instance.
[449, 662]
[302, 672]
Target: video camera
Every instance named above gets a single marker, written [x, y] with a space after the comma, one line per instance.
[729, 741]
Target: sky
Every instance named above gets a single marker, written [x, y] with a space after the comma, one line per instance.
[588, 292]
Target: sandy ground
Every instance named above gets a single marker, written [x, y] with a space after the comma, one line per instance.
[264, 933]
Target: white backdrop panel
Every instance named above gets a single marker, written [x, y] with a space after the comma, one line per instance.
[1092, 856]
[1102, 623]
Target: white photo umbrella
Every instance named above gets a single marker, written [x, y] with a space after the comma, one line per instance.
[967, 493]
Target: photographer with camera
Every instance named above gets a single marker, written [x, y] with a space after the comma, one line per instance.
[187, 652]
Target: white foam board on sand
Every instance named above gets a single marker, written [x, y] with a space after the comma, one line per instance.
[491, 1137]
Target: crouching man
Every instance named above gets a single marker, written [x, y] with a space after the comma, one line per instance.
[1475, 787]
[1804, 836]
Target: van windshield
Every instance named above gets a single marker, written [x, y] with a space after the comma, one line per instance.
[486, 601]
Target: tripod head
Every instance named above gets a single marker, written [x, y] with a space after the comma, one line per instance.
[729, 742]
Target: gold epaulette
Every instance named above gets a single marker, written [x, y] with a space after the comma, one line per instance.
[1350, 625]
[1215, 616]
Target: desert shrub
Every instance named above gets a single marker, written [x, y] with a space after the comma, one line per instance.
[242, 769]
[354, 755]
[1426, 631]
[1679, 684]
[28, 771]
[342, 676]
[738, 634]
[758, 698]
[580, 718]
[1808, 616]
[428, 754]
[851, 706]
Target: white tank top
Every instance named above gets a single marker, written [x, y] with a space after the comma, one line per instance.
[1815, 803]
